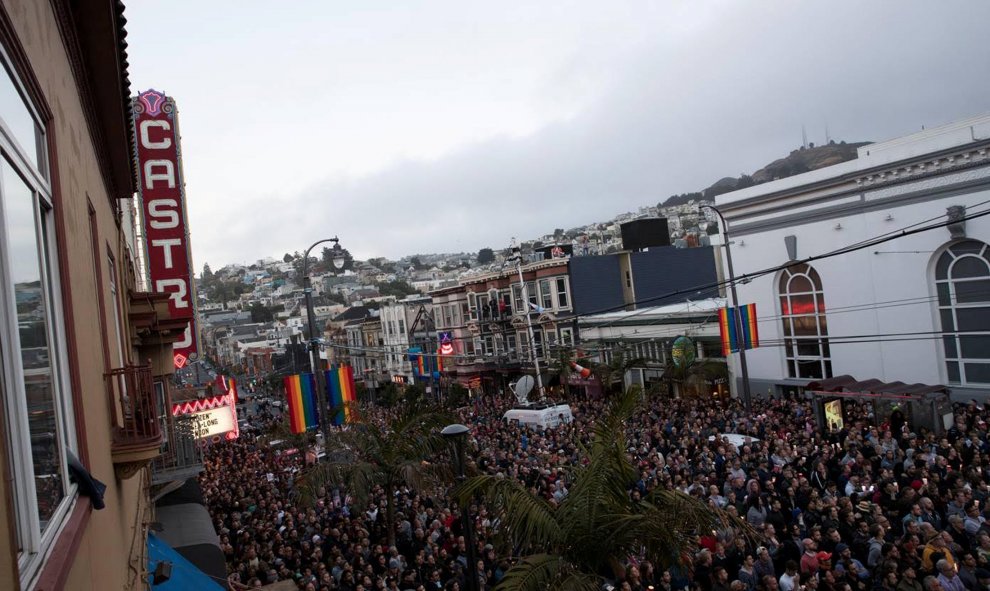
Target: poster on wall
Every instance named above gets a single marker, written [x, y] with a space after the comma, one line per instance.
[833, 415]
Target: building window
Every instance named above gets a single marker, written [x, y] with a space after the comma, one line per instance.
[517, 300]
[531, 294]
[36, 399]
[546, 296]
[562, 301]
[802, 311]
[567, 337]
[473, 304]
[962, 283]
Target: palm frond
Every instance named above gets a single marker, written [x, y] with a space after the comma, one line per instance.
[539, 572]
[528, 521]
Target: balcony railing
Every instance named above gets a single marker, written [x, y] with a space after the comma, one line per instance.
[181, 458]
[136, 435]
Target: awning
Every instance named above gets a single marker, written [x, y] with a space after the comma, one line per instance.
[846, 385]
[184, 575]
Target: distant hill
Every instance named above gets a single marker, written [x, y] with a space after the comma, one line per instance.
[799, 161]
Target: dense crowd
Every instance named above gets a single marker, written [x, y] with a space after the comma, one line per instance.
[880, 504]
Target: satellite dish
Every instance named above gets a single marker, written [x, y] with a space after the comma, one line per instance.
[523, 388]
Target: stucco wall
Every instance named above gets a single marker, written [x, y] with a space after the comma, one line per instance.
[881, 290]
[109, 542]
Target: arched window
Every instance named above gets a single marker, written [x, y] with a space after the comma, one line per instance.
[802, 310]
[962, 283]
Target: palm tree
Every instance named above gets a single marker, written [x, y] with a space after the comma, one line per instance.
[365, 456]
[582, 541]
[614, 371]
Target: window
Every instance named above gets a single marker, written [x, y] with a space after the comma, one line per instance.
[962, 285]
[36, 397]
[802, 311]
[473, 304]
[531, 293]
[546, 296]
[402, 326]
[438, 314]
[567, 337]
[510, 344]
[517, 300]
[562, 301]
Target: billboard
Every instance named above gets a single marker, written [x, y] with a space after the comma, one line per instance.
[163, 208]
[214, 416]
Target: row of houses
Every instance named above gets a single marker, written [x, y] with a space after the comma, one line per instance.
[831, 304]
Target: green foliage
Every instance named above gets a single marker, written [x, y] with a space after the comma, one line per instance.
[287, 258]
[367, 456]
[261, 313]
[576, 544]
[399, 289]
[457, 396]
[417, 264]
[486, 255]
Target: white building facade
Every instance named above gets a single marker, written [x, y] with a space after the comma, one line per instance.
[914, 308]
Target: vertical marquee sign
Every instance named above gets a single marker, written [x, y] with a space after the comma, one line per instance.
[159, 165]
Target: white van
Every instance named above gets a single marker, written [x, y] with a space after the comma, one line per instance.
[546, 417]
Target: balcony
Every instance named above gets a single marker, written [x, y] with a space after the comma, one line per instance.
[181, 458]
[136, 435]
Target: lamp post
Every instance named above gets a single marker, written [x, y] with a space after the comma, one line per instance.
[338, 260]
[737, 318]
[524, 289]
[457, 435]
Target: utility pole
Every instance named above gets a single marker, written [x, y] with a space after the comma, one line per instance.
[737, 317]
[529, 324]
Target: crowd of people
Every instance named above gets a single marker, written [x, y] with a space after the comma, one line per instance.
[883, 503]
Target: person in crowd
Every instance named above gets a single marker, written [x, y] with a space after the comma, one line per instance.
[880, 504]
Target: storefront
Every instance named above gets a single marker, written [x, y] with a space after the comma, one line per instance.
[895, 403]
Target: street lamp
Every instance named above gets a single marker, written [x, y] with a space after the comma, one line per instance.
[737, 317]
[457, 435]
[338, 259]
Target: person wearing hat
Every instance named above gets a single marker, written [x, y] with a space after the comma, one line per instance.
[936, 546]
[824, 561]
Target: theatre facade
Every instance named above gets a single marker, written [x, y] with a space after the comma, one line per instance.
[877, 268]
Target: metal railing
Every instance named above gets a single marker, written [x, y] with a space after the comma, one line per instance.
[181, 457]
[133, 414]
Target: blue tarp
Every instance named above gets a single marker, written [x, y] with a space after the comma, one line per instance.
[185, 576]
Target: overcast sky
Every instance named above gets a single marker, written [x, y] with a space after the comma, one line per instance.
[446, 126]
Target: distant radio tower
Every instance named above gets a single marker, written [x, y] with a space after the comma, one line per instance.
[828, 138]
[804, 137]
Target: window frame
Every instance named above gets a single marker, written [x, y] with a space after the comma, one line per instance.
[563, 296]
[34, 544]
[792, 343]
[952, 306]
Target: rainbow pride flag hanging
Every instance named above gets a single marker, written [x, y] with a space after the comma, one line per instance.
[300, 396]
[341, 394]
[728, 329]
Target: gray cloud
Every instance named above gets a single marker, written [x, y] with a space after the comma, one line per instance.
[682, 110]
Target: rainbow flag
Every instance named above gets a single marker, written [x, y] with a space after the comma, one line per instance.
[341, 394]
[300, 396]
[728, 329]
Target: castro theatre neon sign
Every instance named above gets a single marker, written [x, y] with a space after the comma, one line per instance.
[159, 164]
